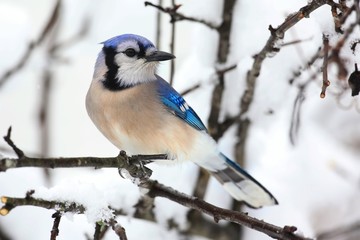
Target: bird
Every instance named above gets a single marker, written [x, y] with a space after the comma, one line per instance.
[140, 113]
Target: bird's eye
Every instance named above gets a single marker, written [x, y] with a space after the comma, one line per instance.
[130, 52]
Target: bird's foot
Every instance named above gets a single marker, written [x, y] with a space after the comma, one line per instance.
[133, 168]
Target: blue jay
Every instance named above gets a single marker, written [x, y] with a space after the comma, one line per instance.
[141, 113]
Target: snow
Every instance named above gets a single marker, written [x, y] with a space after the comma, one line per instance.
[316, 180]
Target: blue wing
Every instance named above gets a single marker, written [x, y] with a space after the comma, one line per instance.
[177, 105]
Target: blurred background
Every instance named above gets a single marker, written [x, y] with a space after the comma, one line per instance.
[303, 148]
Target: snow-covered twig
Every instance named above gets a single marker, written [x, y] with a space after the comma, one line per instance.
[142, 173]
[13, 202]
[158, 190]
[277, 34]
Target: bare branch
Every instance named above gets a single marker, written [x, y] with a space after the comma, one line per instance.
[270, 48]
[121, 161]
[26, 56]
[172, 42]
[334, 56]
[296, 42]
[158, 26]
[295, 115]
[8, 140]
[326, 81]
[159, 190]
[190, 89]
[176, 16]
[55, 227]
[85, 27]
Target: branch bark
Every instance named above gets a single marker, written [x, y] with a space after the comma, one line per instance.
[271, 47]
[159, 190]
[139, 174]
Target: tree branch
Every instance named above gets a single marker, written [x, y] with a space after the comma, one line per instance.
[270, 48]
[326, 81]
[135, 168]
[158, 190]
[8, 140]
[176, 16]
[55, 227]
[32, 45]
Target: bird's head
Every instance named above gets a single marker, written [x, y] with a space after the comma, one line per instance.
[129, 60]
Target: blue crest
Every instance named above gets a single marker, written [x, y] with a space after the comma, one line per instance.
[115, 41]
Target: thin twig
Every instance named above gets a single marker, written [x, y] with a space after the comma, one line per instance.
[32, 45]
[296, 115]
[172, 43]
[216, 128]
[176, 16]
[55, 227]
[8, 140]
[190, 89]
[335, 56]
[158, 26]
[296, 42]
[270, 47]
[296, 74]
[326, 82]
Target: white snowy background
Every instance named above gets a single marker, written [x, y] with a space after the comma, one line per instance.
[316, 181]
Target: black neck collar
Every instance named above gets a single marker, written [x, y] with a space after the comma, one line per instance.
[111, 82]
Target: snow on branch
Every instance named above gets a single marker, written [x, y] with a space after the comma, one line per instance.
[273, 45]
[139, 174]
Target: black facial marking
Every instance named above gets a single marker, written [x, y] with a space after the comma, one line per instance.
[111, 82]
[141, 53]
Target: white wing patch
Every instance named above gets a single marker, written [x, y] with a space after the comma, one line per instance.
[248, 191]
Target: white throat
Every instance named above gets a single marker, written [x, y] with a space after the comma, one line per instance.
[136, 72]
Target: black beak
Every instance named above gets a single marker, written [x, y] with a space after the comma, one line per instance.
[159, 56]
